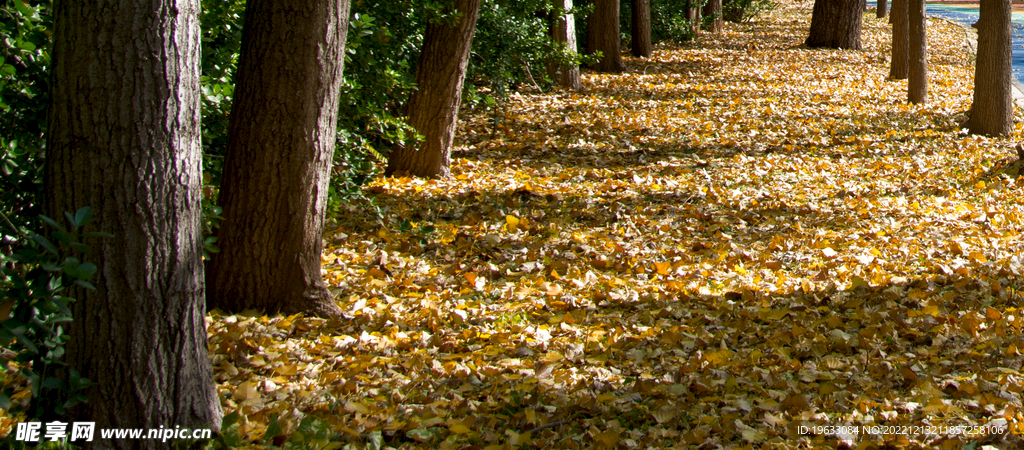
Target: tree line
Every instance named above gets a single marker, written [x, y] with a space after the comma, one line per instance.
[120, 110]
[837, 23]
[124, 132]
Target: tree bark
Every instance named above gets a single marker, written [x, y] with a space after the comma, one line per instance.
[992, 112]
[603, 36]
[641, 31]
[836, 24]
[713, 9]
[434, 107]
[563, 32]
[899, 66]
[124, 139]
[882, 9]
[281, 140]
[917, 79]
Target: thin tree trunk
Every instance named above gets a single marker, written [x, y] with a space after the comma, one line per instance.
[563, 31]
[899, 66]
[603, 36]
[713, 9]
[642, 29]
[836, 24]
[992, 112]
[693, 15]
[124, 139]
[882, 9]
[434, 107]
[279, 157]
[917, 79]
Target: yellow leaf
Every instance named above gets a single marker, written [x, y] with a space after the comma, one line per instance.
[857, 282]
[718, 357]
[552, 357]
[512, 222]
[662, 267]
[608, 438]
[459, 429]
[287, 369]
[356, 407]
[777, 314]
[979, 257]
[245, 391]
[554, 289]
[5, 310]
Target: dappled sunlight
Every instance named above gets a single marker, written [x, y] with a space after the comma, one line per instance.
[738, 237]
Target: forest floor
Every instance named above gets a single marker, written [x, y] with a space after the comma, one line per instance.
[738, 241]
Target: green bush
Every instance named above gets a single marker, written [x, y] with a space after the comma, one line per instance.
[668, 20]
[745, 10]
[24, 96]
[34, 312]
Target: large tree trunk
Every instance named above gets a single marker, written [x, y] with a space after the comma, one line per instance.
[124, 139]
[642, 29]
[836, 24]
[992, 112]
[917, 79]
[563, 31]
[434, 107]
[280, 147]
[882, 9]
[603, 36]
[899, 66]
[713, 9]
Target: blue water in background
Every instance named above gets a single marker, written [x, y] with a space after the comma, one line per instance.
[968, 16]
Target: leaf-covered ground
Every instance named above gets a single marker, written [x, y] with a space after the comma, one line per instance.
[737, 238]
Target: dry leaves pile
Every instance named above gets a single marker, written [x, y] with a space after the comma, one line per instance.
[737, 238]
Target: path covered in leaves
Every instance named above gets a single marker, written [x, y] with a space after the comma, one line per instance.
[739, 237]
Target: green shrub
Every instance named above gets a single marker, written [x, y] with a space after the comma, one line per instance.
[34, 312]
[668, 20]
[745, 10]
[24, 96]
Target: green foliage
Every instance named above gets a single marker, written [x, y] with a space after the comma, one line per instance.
[511, 45]
[745, 10]
[221, 22]
[310, 433]
[381, 50]
[24, 95]
[668, 20]
[34, 311]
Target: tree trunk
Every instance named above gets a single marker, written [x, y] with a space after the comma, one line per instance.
[563, 31]
[882, 9]
[992, 112]
[836, 24]
[693, 15]
[124, 139]
[603, 36]
[713, 9]
[434, 107]
[281, 141]
[917, 79]
[642, 29]
[899, 67]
